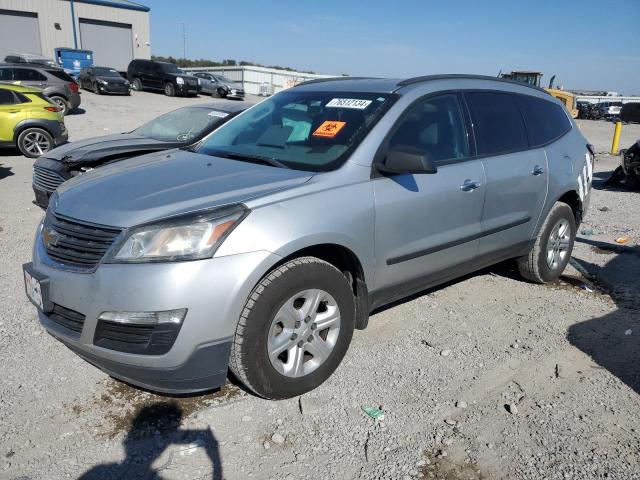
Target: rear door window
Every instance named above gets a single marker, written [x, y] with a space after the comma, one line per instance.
[545, 120]
[497, 123]
[62, 75]
[6, 97]
[433, 126]
[6, 74]
[28, 75]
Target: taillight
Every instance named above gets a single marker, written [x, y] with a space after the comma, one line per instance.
[73, 86]
[53, 109]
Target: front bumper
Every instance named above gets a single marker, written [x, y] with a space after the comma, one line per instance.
[120, 89]
[185, 89]
[213, 291]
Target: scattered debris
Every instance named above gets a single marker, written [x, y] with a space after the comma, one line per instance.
[587, 232]
[461, 404]
[623, 240]
[373, 412]
[586, 287]
[604, 209]
[558, 371]
[512, 408]
[277, 438]
[445, 353]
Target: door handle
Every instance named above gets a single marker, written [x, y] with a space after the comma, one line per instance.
[13, 111]
[537, 170]
[470, 185]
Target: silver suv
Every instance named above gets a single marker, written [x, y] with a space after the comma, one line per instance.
[56, 84]
[262, 248]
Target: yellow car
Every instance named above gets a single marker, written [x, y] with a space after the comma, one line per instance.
[29, 121]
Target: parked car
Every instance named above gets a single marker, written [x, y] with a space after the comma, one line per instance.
[29, 58]
[630, 112]
[103, 80]
[167, 77]
[219, 85]
[175, 129]
[29, 121]
[261, 248]
[610, 109]
[56, 84]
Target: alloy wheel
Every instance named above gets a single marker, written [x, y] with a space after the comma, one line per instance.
[558, 244]
[303, 333]
[36, 143]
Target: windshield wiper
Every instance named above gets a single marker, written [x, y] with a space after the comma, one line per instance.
[246, 157]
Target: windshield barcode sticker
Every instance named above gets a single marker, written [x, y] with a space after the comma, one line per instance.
[349, 103]
[215, 113]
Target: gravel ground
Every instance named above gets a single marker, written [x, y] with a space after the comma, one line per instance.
[486, 377]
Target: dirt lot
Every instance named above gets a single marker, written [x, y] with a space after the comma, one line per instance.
[486, 377]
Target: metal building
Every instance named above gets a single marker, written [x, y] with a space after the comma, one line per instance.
[116, 30]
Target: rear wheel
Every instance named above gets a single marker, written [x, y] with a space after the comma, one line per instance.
[551, 253]
[33, 142]
[61, 102]
[294, 329]
[169, 90]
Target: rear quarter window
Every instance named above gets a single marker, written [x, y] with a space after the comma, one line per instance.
[545, 121]
[497, 122]
[6, 97]
[62, 75]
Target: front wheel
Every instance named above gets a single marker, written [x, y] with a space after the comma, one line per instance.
[33, 142]
[169, 90]
[137, 85]
[294, 329]
[552, 250]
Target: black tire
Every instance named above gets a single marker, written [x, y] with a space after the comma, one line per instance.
[61, 102]
[169, 89]
[222, 93]
[96, 90]
[534, 266]
[25, 141]
[136, 85]
[249, 360]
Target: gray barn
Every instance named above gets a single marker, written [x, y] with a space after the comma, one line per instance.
[116, 30]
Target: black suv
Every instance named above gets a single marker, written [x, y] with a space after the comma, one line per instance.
[152, 75]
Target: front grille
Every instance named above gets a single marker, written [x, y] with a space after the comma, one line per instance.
[141, 339]
[46, 179]
[192, 83]
[67, 318]
[76, 243]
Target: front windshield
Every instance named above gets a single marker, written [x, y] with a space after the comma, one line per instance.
[312, 131]
[184, 125]
[170, 68]
[105, 72]
[224, 79]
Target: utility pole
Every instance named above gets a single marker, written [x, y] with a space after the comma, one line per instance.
[184, 41]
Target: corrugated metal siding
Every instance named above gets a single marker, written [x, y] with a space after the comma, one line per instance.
[252, 77]
[19, 32]
[58, 11]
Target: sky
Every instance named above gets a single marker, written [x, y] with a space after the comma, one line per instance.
[587, 44]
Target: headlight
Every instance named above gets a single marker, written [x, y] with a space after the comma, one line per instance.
[103, 82]
[191, 237]
[180, 80]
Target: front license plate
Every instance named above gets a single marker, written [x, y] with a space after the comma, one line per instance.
[37, 287]
[34, 290]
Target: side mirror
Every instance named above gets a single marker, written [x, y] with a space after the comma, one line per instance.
[403, 159]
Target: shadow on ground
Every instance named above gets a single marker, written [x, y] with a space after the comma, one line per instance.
[5, 172]
[613, 341]
[155, 428]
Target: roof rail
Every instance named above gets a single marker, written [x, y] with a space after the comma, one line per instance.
[333, 79]
[462, 76]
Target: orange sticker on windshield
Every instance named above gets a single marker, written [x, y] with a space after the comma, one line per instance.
[329, 129]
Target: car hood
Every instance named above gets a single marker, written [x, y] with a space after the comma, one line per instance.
[113, 80]
[233, 85]
[92, 150]
[159, 185]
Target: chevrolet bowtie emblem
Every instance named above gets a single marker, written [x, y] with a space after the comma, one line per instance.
[50, 237]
